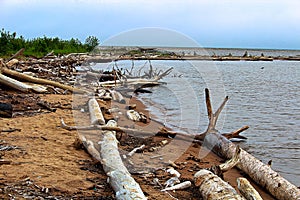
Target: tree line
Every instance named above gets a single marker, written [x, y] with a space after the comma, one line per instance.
[10, 44]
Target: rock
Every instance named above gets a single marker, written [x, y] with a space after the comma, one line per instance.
[6, 110]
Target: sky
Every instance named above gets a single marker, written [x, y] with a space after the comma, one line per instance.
[267, 24]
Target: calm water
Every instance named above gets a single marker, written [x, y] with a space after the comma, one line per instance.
[263, 95]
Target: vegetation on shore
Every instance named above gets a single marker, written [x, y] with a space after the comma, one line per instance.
[38, 47]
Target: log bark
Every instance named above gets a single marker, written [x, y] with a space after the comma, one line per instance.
[117, 96]
[96, 115]
[247, 190]
[213, 187]
[119, 177]
[262, 174]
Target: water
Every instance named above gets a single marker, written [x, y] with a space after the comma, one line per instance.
[263, 95]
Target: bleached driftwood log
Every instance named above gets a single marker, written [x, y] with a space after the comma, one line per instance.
[137, 81]
[213, 187]
[247, 190]
[5, 80]
[258, 171]
[96, 115]
[117, 96]
[123, 184]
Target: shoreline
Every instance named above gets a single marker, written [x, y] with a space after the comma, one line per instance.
[52, 159]
[55, 164]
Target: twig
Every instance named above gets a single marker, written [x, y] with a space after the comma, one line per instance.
[11, 130]
[135, 150]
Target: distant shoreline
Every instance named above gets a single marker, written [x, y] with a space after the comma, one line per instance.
[114, 53]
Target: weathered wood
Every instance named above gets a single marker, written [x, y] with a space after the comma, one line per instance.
[258, 171]
[213, 187]
[19, 53]
[235, 134]
[247, 190]
[232, 162]
[167, 72]
[5, 80]
[180, 186]
[137, 81]
[32, 79]
[12, 62]
[119, 177]
[129, 131]
[133, 115]
[96, 115]
[117, 96]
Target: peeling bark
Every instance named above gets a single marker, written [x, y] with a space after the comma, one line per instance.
[119, 177]
[213, 187]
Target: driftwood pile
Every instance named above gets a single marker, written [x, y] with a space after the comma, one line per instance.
[50, 74]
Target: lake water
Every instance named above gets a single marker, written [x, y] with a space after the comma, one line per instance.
[262, 95]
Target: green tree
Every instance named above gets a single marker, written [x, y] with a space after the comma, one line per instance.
[10, 43]
[91, 42]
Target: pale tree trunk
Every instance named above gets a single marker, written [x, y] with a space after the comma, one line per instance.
[213, 187]
[262, 174]
[19, 85]
[96, 115]
[119, 177]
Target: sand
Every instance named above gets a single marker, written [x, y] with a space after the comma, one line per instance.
[47, 161]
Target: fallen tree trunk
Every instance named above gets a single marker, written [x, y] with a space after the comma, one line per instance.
[258, 171]
[5, 80]
[96, 115]
[213, 187]
[117, 96]
[119, 177]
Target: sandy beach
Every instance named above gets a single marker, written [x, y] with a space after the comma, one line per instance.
[49, 162]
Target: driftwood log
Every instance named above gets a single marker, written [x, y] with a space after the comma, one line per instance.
[262, 174]
[5, 80]
[96, 115]
[213, 187]
[119, 177]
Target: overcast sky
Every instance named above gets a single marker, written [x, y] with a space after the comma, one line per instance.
[211, 23]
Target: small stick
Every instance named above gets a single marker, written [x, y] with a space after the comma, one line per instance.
[130, 154]
[182, 185]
